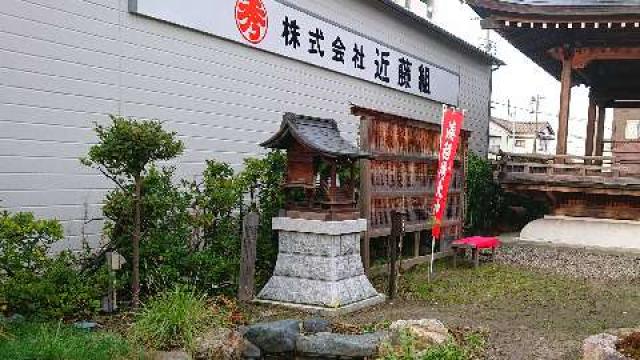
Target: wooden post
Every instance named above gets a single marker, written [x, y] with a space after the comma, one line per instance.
[602, 113]
[591, 126]
[248, 256]
[416, 243]
[565, 101]
[365, 193]
[394, 238]
[334, 180]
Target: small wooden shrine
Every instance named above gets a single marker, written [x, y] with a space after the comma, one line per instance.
[321, 169]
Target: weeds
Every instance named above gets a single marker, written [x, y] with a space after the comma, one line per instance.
[408, 348]
[53, 341]
[172, 320]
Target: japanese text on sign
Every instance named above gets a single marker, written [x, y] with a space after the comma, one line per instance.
[282, 29]
[449, 141]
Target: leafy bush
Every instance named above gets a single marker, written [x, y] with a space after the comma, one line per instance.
[25, 241]
[123, 153]
[190, 230]
[484, 197]
[165, 229]
[33, 282]
[172, 319]
[263, 178]
[51, 341]
[57, 290]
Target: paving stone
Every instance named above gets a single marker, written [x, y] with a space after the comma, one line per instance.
[314, 326]
[274, 337]
[328, 344]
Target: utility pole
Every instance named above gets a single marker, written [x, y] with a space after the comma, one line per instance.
[535, 100]
[511, 147]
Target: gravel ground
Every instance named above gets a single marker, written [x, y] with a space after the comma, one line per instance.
[573, 262]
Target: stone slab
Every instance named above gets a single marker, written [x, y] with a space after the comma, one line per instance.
[319, 267]
[318, 244]
[338, 345]
[319, 226]
[584, 232]
[318, 292]
[324, 311]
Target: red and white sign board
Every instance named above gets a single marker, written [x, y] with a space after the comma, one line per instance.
[449, 141]
[282, 28]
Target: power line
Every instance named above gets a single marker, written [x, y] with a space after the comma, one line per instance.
[528, 110]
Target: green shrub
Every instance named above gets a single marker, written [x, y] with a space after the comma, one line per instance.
[59, 290]
[172, 319]
[484, 197]
[35, 283]
[191, 232]
[51, 341]
[166, 228]
[25, 241]
[263, 179]
[125, 150]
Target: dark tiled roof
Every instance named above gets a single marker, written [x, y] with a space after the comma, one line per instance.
[558, 7]
[321, 135]
[523, 127]
[575, 2]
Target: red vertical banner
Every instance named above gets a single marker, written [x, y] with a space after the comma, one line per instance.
[449, 141]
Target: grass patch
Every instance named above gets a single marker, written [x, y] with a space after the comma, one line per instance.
[465, 346]
[534, 299]
[173, 320]
[51, 341]
[491, 285]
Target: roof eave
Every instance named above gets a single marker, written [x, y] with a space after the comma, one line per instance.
[487, 7]
[442, 33]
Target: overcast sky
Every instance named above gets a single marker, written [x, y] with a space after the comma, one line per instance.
[520, 79]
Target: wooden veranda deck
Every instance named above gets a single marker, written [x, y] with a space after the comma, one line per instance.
[592, 186]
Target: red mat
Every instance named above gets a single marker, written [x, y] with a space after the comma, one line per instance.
[480, 242]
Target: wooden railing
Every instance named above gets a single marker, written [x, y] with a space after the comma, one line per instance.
[557, 165]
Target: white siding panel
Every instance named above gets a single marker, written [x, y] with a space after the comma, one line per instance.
[61, 68]
[40, 165]
[104, 10]
[53, 181]
[60, 133]
[56, 99]
[14, 147]
[55, 50]
[54, 197]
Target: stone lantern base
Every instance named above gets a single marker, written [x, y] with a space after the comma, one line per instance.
[319, 267]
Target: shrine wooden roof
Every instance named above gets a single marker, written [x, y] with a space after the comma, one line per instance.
[559, 8]
[535, 27]
[321, 135]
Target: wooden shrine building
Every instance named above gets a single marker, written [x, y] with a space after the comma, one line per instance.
[316, 156]
[591, 43]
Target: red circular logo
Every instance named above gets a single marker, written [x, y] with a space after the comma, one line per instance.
[252, 20]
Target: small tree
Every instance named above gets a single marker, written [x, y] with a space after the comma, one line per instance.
[126, 147]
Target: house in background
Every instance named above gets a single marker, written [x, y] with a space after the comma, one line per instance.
[626, 138]
[521, 137]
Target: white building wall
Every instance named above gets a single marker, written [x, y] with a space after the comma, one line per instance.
[65, 64]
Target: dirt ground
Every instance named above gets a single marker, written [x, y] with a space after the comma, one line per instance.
[527, 309]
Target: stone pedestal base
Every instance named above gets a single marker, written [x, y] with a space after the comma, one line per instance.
[319, 267]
